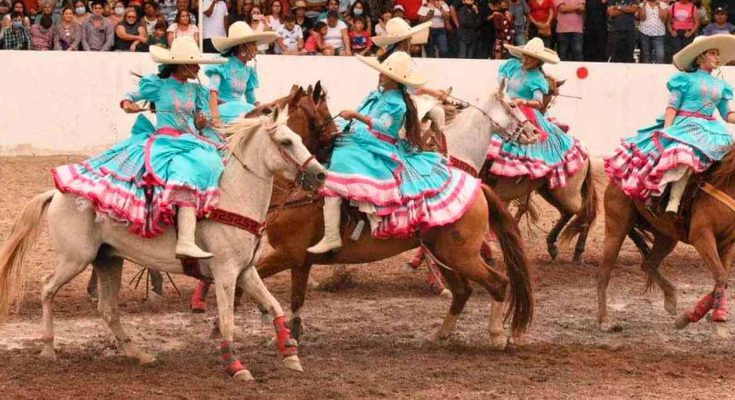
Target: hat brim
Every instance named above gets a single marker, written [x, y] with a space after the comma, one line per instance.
[413, 33]
[725, 44]
[223, 44]
[414, 80]
[164, 56]
[547, 56]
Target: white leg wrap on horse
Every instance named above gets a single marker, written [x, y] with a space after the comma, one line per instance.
[677, 190]
[186, 246]
[331, 239]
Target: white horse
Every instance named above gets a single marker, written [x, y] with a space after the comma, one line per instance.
[260, 147]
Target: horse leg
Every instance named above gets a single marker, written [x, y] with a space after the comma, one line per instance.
[198, 303]
[553, 235]
[156, 281]
[662, 247]
[299, 281]
[64, 273]
[619, 220]
[461, 291]
[225, 279]
[706, 244]
[92, 286]
[253, 286]
[109, 274]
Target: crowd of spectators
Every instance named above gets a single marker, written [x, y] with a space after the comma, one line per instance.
[648, 31]
[95, 25]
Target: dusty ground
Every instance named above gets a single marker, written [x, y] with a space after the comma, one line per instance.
[367, 341]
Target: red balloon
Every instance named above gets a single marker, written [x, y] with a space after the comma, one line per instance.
[582, 72]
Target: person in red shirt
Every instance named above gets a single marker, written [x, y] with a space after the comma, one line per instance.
[410, 9]
[542, 13]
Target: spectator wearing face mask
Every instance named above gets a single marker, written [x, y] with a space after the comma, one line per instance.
[42, 36]
[16, 36]
[118, 13]
[80, 12]
[67, 33]
[99, 34]
[358, 10]
[131, 35]
[20, 8]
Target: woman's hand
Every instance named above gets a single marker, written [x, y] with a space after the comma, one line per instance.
[130, 107]
[200, 121]
[348, 115]
[520, 102]
[216, 121]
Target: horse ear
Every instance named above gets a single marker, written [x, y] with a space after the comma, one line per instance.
[295, 97]
[309, 90]
[317, 95]
[275, 114]
[560, 82]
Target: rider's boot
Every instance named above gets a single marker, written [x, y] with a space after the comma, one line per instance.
[186, 246]
[331, 239]
[677, 190]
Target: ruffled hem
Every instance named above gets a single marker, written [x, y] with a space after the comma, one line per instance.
[422, 214]
[128, 205]
[513, 165]
[639, 174]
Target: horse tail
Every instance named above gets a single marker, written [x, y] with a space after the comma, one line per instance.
[16, 248]
[588, 213]
[509, 236]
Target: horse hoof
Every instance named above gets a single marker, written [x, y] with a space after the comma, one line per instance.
[722, 330]
[156, 299]
[498, 342]
[243, 375]
[145, 359]
[445, 293]
[670, 305]
[48, 354]
[682, 322]
[293, 363]
[553, 251]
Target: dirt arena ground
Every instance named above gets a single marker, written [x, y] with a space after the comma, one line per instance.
[367, 340]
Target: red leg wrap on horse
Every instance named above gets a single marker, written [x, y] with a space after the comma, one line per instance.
[230, 363]
[719, 306]
[286, 344]
[199, 297]
[415, 262]
[701, 308]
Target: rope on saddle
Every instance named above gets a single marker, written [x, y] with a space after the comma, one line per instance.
[718, 195]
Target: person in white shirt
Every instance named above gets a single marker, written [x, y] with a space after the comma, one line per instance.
[213, 23]
[437, 12]
[290, 39]
[337, 36]
[652, 15]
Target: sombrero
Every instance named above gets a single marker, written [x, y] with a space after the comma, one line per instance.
[398, 30]
[724, 43]
[184, 50]
[398, 66]
[239, 33]
[534, 48]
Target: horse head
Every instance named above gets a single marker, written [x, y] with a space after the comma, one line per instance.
[269, 141]
[508, 119]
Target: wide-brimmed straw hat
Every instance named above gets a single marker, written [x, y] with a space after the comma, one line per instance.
[398, 30]
[534, 48]
[239, 33]
[184, 50]
[299, 4]
[725, 44]
[398, 66]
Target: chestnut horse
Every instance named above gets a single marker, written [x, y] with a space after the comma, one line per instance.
[710, 232]
[298, 224]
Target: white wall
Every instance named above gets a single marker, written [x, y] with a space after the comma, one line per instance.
[57, 102]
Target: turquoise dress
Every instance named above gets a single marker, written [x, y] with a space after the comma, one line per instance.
[235, 84]
[555, 157]
[407, 189]
[141, 180]
[655, 156]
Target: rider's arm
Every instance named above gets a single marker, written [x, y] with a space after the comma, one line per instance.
[536, 102]
[669, 116]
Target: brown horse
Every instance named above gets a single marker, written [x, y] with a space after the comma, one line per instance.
[298, 224]
[710, 231]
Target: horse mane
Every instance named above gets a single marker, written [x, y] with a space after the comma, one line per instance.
[724, 170]
[241, 130]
